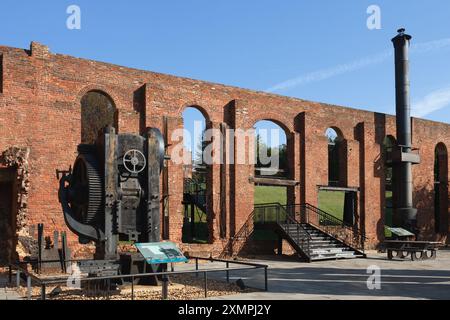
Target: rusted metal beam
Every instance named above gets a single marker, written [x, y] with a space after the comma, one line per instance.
[274, 181]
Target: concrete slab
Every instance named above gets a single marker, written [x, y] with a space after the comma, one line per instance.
[290, 279]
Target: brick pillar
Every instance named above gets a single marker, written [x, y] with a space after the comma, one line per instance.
[214, 184]
[241, 190]
[175, 184]
[372, 181]
[154, 111]
[294, 154]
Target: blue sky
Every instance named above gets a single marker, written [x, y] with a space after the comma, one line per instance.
[257, 44]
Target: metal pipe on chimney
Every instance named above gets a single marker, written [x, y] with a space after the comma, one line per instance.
[405, 209]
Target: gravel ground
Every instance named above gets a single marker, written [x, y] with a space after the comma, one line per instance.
[182, 287]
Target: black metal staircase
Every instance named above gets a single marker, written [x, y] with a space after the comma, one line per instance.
[313, 233]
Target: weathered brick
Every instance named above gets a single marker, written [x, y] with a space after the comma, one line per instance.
[40, 109]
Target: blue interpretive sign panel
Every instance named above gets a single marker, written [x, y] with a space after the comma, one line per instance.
[160, 252]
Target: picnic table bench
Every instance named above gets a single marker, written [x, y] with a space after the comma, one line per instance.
[417, 250]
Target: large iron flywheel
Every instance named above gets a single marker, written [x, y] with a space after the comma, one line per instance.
[86, 188]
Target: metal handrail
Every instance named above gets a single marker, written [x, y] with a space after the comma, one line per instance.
[345, 224]
[43, 283]
[327, 216]
[353, 230]
[192, 186]
[289, 219]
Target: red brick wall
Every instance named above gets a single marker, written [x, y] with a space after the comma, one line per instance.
[40, 109]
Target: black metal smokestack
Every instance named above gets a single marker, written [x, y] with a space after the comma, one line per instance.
[406, 213]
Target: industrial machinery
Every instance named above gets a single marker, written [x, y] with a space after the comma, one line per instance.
[112, 194]
[403, 157]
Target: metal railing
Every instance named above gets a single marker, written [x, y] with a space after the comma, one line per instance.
[335, 227]
[269, 213]
[278, 214]
[45, 283]
[192, 186]
[237, 242]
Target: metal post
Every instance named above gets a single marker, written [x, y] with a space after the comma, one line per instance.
[10, 275]
[280, 245]
[28, 287]
[18, 278]
[206, 284]
[63, 250]
[192, 220]
[228, 272]
[43, 291]
[196, 266]
[165, 283]
[40, 244]
[132, 288]
[266, 284]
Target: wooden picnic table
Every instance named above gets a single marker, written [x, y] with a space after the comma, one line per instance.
[417, 250]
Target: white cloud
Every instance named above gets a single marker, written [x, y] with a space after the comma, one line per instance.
[432, 102]
[331, 72]
[325, 74]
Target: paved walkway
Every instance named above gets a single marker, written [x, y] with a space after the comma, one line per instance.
[345, 279]
[7, 293]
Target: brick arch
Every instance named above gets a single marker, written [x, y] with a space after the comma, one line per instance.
[97, 88]
[441, 149]
[286, 123]
[391, 138]
[340, 134]
[291, 156]
[285, 128]
[210, 213]
[337, 169]
[200, 108]
[345, 130]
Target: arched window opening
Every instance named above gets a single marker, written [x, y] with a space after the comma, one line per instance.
[97, 112]
[271, 164]
[332, 198]
[271, 153]
[441, 189]
[197, 223]
[337, 158]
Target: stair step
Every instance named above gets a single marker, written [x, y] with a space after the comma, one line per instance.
[330, 257]
[317, 241]
[321, 245]
[328, 251]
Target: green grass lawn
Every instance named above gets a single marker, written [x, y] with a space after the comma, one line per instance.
[268, 194]
[332, 202]
[265, 194]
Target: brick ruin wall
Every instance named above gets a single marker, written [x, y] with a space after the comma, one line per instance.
[40, 111]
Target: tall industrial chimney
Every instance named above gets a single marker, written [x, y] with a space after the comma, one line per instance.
[404, 158]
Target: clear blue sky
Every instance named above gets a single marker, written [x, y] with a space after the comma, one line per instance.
[323, 47]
